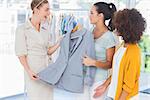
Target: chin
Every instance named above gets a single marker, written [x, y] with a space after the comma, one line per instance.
[92, 22]
[43, 19]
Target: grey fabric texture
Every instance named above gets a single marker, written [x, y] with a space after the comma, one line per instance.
[67, 72]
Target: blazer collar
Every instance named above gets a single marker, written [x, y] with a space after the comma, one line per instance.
[28, 25]
[78, 33]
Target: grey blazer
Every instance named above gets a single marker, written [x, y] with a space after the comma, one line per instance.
[68, 72]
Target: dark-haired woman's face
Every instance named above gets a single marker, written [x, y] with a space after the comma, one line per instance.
[94, 16]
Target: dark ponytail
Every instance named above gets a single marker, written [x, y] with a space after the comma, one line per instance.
[107, 10]
[112, 10]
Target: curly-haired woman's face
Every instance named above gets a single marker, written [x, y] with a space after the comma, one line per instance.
[94, 15]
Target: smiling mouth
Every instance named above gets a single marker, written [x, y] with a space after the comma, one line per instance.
[45, 17]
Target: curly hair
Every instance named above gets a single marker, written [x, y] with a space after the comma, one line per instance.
[130, 24]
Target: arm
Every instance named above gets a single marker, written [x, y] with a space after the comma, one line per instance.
[123, 95]
[131, 75]
[53, 48]
[102, 88]
[24, 63]
[105, 65]
[107, 82]
[109, 57]
[21, 50]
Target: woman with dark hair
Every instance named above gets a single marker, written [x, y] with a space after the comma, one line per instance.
[124, 82]
[32, 46]
[105, 42]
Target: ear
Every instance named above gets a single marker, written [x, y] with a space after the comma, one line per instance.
[36, 10]
[101, 15]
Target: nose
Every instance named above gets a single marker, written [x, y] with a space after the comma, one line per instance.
[48, 13]
[90, 15]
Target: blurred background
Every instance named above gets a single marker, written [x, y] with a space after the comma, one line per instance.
[15, 12]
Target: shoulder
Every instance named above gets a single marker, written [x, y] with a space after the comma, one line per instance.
[109, 35]
[134, 52]
[133, 48]
[21, 27]
[20, 30]
[110, 38]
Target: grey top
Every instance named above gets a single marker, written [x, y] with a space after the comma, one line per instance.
[106, 41]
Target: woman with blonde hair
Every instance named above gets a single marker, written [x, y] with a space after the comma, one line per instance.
[32, 46]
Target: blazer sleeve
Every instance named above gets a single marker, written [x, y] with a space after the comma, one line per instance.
[20, 42]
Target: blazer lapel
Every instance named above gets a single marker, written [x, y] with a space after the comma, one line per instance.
[77, 44]
[79, 36]
[65, 45]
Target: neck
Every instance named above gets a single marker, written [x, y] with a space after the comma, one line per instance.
[100, 29]
[35, 22]
[126, 44]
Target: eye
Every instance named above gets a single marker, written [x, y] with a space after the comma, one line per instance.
[91, 12]
[47, 9]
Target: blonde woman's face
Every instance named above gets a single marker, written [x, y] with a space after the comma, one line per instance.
[44, 12]
[93, 15]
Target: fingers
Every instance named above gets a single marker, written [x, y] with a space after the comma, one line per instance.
[34, 77]
[95, 95]
[98, 88]
[86, 56]
[98, 93]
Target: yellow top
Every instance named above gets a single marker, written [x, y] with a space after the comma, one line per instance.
[129, 72]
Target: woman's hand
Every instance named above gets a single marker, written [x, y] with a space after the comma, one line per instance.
[87, 61]
[23, 61]
[53, 48]
[100, 90]
[32, 75]
[123, 95]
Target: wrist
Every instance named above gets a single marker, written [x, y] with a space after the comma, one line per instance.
[29, 71]
[58, 43]
[93, 62]
[105, 84]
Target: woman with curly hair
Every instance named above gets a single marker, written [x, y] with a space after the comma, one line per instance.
[124, 81]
